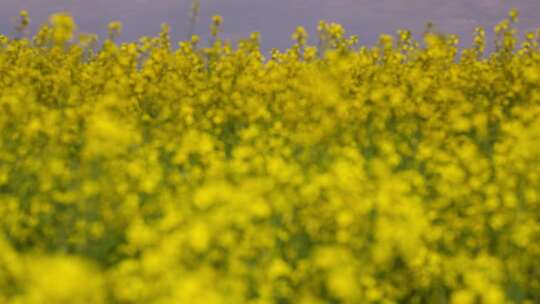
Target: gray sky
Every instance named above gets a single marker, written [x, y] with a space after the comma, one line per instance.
[276, 19]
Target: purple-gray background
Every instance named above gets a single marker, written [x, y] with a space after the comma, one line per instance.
[277, 19]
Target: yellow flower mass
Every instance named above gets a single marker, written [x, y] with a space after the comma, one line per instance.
[144, 172]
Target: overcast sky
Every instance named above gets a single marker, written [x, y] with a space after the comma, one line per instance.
[276, 19]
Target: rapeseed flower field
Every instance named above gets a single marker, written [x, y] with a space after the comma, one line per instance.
[150, 172]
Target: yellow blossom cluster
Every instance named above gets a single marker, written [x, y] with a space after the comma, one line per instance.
[148, 172]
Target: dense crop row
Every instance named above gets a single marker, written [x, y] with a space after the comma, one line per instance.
[407, 172]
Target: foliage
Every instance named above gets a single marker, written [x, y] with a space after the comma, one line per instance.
[138, 172]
